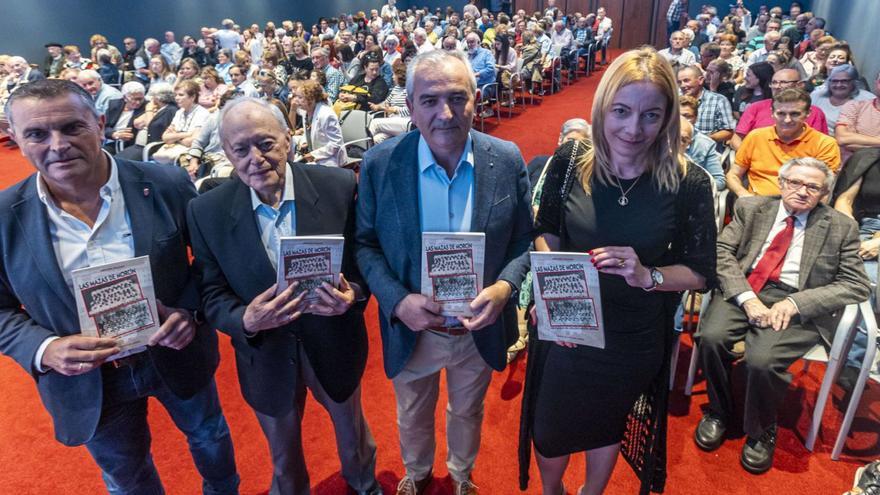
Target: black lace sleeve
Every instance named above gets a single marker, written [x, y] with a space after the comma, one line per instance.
[561, 173]
[694, 244]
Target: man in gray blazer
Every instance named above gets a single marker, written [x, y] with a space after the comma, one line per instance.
[786, 266]
[84, 208]
[443, 177]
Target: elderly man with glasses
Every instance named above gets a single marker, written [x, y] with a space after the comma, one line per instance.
[786, 264]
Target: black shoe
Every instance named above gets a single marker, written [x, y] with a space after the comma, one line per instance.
[709, 434]
[757, 454]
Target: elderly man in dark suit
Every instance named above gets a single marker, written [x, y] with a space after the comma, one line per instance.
[121, 114]
[282, 346]
[443, 177]
[81, 209]
[786, 266]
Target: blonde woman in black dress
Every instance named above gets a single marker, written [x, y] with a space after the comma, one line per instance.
[632, 202]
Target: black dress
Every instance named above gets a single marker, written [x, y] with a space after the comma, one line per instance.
[581, 396]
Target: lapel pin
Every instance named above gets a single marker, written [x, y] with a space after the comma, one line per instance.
[146, 191]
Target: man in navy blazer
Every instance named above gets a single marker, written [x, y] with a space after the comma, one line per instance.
[83, 208]
[443, 177]
[281, 346]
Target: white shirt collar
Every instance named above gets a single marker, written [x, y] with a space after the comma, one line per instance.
[287, 195]
[108, 190]
[800, 218]
[426, 157]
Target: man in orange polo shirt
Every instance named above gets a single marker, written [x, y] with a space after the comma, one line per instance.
[764, 150]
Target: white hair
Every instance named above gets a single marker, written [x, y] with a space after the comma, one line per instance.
[88, 74]
[258, 102]
[391, 40]
[133, 87]
[579, 125]
[811, 163]
[432, 60]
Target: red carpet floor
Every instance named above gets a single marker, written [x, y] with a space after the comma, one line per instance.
[33, 463]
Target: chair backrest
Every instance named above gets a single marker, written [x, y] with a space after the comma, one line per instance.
[354, 125]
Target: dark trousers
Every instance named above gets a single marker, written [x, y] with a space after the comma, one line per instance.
[121, 445]
[354, 441]
[768, 355]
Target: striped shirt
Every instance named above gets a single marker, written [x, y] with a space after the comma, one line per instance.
[397, 98]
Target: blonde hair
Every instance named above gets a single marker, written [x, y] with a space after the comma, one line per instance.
[667, 164]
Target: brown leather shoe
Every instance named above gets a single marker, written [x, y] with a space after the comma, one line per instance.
[409, 486]
[466, 487]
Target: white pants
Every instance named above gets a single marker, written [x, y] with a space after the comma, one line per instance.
[384, 128]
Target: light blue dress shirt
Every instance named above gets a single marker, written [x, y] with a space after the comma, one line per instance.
[703, 152]
[446, 205]
[275, 223]
[483, 64]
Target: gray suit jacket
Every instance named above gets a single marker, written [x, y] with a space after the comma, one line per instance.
[388, 239]
[831, 276]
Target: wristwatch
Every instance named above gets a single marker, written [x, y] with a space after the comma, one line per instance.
[656, 279]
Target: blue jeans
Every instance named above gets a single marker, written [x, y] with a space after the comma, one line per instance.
[857, 352]
[121, 445]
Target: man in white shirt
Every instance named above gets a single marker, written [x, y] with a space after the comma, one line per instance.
[102, 93]
[171, 50]
[83, 208]
[676, 54]
[420, 39]
[227, 37]
[561, 39]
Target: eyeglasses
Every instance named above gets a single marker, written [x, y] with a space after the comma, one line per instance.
[796, 184]
[839, 81]
[782, 83]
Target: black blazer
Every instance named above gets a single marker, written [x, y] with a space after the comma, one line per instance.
[114, 111]
[234, 269]
[160, 122]
[197, 54]
[35, 302]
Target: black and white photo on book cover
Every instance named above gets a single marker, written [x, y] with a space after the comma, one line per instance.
[452, 269]
[310, 261]
[117, 300]
[567, 298]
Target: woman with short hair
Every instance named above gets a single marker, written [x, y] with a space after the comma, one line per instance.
[185, 126]
[322, 142]
[842, 86]
[212, 88]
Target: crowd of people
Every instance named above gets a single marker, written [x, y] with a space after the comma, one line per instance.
[769, 106]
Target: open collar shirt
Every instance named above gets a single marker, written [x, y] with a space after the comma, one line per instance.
[273, 222]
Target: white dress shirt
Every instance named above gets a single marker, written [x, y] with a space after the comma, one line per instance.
[77, 245]
[791, 265]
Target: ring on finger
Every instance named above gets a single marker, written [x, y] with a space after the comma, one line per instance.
[81, 366]
[621, 262]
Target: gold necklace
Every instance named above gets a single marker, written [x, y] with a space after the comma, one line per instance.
[623, 200]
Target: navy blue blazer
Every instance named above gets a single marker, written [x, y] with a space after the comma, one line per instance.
[234, 269]
[155, 198]
[389, 236]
